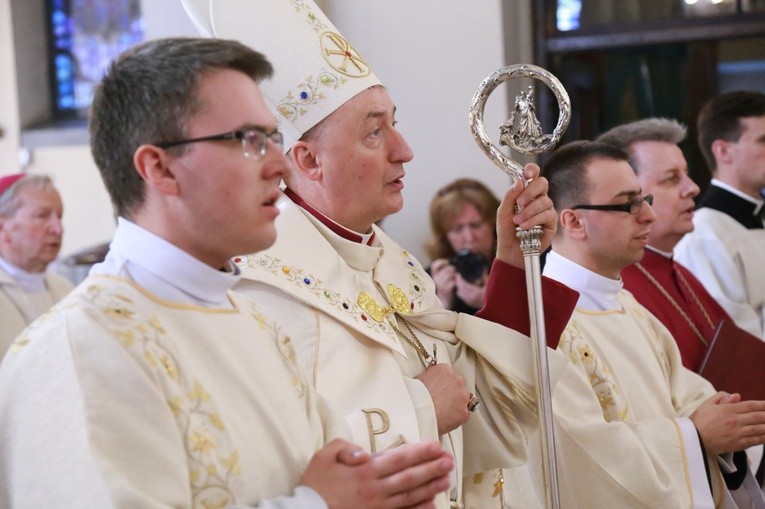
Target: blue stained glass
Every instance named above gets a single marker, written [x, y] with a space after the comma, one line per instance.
[567, 14]
[66, 102]
[86, 35]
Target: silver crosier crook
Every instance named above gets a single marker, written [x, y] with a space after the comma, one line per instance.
[523, 133]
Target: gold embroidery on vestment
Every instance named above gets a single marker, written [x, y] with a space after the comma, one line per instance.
[399, 303]
[384, 421]
[316, 287]
[212, 462]
[341, 56]
[385, 427]
[580, 352]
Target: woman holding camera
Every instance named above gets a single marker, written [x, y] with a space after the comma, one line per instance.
[463, 217]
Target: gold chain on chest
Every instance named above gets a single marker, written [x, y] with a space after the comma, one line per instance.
[414, 342]
[399, 306]
[677, 306]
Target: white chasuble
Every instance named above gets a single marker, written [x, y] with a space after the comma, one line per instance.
[628, 443]
[167, 405]
[311, 281]
[18, 307]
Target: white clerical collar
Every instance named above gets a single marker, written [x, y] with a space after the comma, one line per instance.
[596, 292]
[665, 254]
[337, 228]
[359, 256]
[722, 185]
[164, 269]
[31, 282]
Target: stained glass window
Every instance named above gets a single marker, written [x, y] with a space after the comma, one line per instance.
[84, 37]
[567, 14]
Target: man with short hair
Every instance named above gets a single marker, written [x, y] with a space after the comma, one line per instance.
[726, 250]
[363, 313]
[30, 239]
[152, 384]
[663, 286]
[636, 425]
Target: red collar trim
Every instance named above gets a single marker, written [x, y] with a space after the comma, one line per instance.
[336, 228]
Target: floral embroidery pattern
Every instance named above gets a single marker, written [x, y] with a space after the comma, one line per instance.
[315, 286]
[341, 303]
[416, 283]
[311, 17]
[574, 344]
[308, 93]
[23, 339]
[284, 344]
[213, 465]
[340, 56]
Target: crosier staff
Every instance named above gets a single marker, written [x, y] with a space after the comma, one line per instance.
[522, 132]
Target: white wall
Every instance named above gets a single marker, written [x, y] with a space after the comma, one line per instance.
[431, 54]
[9, 115]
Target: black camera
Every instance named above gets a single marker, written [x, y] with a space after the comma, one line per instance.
[471, 266]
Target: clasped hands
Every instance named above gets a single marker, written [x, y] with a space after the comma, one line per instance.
[407, 476]
[727, 424]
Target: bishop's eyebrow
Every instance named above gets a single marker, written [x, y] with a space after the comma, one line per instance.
[381, 113]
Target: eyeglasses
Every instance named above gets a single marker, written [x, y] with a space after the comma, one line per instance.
[254, 140]
[633, 206]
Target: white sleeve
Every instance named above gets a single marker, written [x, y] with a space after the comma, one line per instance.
[303, 498]
[722, 271]
[697, 475]
[52, 454]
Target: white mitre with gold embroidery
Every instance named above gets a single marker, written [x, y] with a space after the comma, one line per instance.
[315, 69]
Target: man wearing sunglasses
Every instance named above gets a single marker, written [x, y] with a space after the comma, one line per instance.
[634, 423]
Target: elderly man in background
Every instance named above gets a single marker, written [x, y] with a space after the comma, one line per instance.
[30, 239]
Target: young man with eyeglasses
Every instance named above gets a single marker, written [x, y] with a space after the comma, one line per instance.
[152, 384]
[634, 424]
[665, 287]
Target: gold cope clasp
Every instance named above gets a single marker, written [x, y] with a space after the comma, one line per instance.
[399, 304]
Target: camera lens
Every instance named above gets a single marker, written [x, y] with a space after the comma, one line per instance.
[471, 266]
